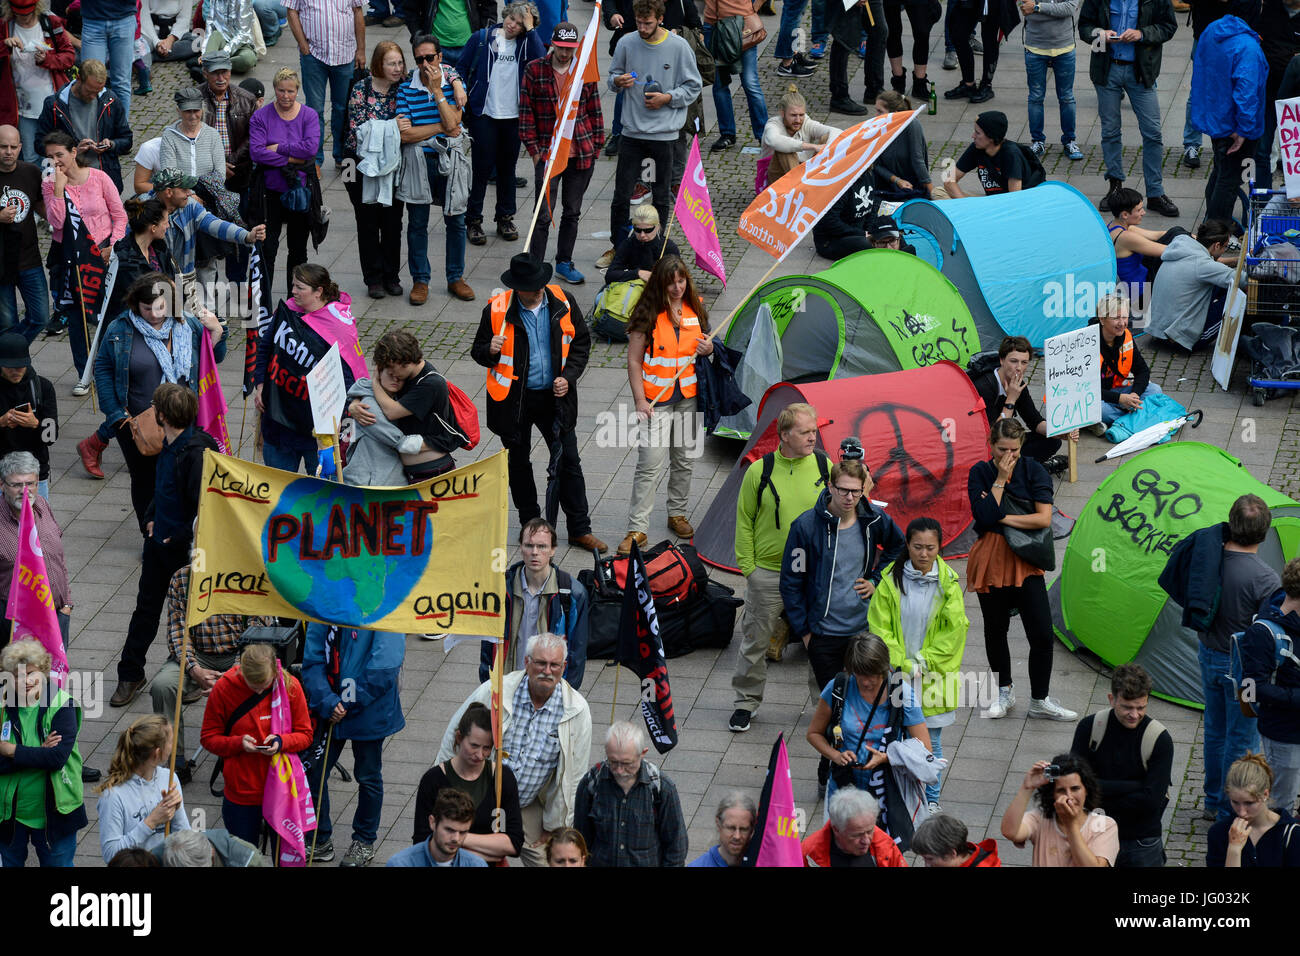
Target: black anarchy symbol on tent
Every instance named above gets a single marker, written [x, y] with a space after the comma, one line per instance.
[917, 483]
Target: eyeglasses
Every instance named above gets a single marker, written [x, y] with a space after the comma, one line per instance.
[548, 665]
[21, 484]
[848, 492]
[623, 764]
[644, 231]
[429, 58]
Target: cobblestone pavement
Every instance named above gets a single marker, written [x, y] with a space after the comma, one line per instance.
[988, 757]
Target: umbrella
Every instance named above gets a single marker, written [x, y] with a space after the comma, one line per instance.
[1152, 434]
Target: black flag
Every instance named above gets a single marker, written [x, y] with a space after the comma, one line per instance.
[258, 281]
[81, 274]
[641, 650]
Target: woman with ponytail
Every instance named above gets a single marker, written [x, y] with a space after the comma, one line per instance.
[140, 797]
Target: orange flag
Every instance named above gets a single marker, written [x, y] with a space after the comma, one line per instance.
[785, 211]
[584, 70]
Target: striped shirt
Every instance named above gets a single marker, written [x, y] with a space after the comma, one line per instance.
[532, 741]
[419, 106]
[329, 28]
[186, 222]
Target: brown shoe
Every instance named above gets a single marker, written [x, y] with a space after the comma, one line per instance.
[419, 293]
[192, 695]
[506, 229]
[680, 527]
[589, 542]
[625, 546]
[127, 691]
[461, 290]
[605, 259]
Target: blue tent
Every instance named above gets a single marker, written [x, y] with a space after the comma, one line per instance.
[1029, 263]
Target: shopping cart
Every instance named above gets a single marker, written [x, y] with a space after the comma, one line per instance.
[1271, 276]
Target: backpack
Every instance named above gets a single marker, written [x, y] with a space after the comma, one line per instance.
[1149, 737]
[1037, 174]
[674, 573]
[614, 304]
[1283, 651]
[464, 423]
[765, 480]
[982, 363]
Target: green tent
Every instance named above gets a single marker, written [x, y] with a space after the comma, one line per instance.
[879, 310]
[1107, 597]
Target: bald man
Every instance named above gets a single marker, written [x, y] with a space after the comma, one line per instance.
[20, 257]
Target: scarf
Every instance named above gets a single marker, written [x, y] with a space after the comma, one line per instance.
[286, 800]
[175, 361]
[916, 604]
[333, 322]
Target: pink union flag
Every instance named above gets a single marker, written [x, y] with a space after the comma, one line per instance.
[694, 212]
[778, 820]
[212, 401]
[31, 603]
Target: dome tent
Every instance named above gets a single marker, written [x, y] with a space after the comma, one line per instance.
[1126, 532]
[1001, 252]
[879, 310]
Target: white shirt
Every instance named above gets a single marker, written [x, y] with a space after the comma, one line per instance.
[148, 155]
[502, 100]
[32, 82]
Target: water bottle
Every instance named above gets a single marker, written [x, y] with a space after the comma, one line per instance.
[934, 100]
[653, 86]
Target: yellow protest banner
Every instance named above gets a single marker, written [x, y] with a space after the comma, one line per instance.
[426, 558]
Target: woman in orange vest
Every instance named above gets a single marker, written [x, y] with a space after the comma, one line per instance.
[1125, 377]
[667, 330]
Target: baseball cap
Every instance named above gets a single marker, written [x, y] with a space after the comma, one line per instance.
[170, 177]
[884, 227]
[253, 85]
[565, 34]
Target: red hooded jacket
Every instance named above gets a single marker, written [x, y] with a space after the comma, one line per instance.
[987, 849]
[58, 61]
[817, 848]
[245, 773]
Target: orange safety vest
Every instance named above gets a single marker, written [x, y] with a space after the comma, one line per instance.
[666, 352]
[503, 373]
[1124, 363]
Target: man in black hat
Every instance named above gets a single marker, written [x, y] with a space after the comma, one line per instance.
[883, 233]
[1001, 166]
[534, 343]
[29, 412]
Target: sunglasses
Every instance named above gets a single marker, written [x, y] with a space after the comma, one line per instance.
[429, 58]
[644, 232]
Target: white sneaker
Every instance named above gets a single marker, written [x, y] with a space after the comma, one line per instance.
[1050, 709]
[1006, 700]
[934, 809]
[79, 390]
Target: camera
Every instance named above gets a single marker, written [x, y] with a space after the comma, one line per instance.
[1052, 771]
[851, 449]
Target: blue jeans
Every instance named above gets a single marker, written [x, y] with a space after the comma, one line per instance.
[58, 853]
[27, 134]
[1192, 135]
[819, 34]
[417, 236]
[287, 459]
[367, 767]
[1228, 732]
[269, 14]
[1110, 412]
[243, 820]
[1121, 81]
[1062, 67]
[936, 748]
[36, 304]
[791, 14]
[618, 114]
[314, 76]
[753, 92]
[113, 42]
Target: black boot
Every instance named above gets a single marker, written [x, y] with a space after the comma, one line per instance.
[920, 89]
[899, 82]
[1115, 186]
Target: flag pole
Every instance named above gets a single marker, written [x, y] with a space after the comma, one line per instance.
[243, 420]
[85, 336]
[324, 763]
[545, 191]
[180, 692]
[722, 327]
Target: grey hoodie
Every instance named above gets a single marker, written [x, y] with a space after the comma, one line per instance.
[1180, 297]
[198, 157]
[373, 461]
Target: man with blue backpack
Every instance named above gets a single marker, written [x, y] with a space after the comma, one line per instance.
[1270, 671]
[1217, 577]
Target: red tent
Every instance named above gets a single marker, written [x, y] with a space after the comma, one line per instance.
[921, 430]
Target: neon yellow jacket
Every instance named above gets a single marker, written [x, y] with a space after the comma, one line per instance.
[760, 530]
[939, 661]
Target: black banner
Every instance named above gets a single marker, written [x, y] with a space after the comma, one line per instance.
[258, 282]
[642, 651]
[295, 349]
[80, 277]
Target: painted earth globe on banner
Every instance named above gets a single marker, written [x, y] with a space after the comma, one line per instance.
[343, 587]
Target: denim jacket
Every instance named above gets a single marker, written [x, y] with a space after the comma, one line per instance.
[113, 364]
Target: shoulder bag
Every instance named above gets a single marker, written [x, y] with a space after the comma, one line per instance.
[1035, 545]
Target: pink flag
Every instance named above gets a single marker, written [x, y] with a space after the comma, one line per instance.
[694, 212]
[777, 817]
[212, 401]
[286, 801]
[31, 605]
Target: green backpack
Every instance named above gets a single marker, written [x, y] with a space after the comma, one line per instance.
[614, 305]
